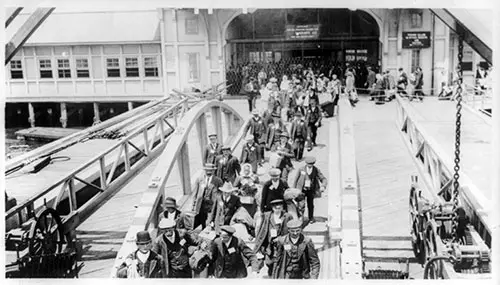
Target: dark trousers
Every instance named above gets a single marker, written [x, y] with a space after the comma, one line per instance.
[200, 219]
[313, 132]
[419, 94]
[299, 148]
[310, 202]
[251, 103]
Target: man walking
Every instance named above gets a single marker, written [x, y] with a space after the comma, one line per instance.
[228, 166]
[308, 179]
[212, 150]
[142, 263]
[272, 190]
[313, 119]
[250, 153]
[296, 257]
[257, 128]
[298, 135]
[204, 194]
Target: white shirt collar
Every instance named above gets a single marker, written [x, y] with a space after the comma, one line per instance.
[143, 257]
[229, 242]
[275, 184]
[172, 238]
[294, 240]
[309, 169]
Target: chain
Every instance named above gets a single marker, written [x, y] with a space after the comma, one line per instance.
[456, 175]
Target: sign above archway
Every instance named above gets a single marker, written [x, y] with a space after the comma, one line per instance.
[416, 39]
[301, 32]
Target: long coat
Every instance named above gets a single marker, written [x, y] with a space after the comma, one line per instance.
[161, 247]
[251, 154]
[272, 132]
[241, 250]
[223, 211]
[299, 130]
[258, 129]
[263, 236]
[210, 153]
[152, 268]
[316, 177]
[227, 169]
[285, 157]
[268, 195]
[308, 257]
[204, 195]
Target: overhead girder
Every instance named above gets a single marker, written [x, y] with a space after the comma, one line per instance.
[13, 16]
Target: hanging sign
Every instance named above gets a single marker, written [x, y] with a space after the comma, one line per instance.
[416, 39]
[301, 32]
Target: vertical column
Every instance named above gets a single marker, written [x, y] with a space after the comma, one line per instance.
[201, 128]
[163, 43]
[130, 106]
[176, 47]
[229, 121]
[31, 118]
[206, 21]
[64, 115]
[97, 116]
[184, 171]
[217, 124]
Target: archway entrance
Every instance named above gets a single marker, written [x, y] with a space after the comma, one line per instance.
[318, 38]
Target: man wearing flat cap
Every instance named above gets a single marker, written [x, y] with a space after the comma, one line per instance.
[257, 127]
[175, 249]
[204, 193]
[296, 257]
[298, 135]
[224, 208]
[227, 253]
[274, 224]
[272, 190]
[171, 211]
[250, 153]
[227, 165]
[212, 150]
[142, 263]
[312, 182]
[285, 153]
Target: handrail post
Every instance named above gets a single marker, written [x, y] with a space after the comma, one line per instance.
[102, 172]
[201, 129]
[184, 170]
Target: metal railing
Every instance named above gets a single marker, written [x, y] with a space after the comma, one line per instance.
[148, 210]
[437, 167]
[477, 98]
[106, 172]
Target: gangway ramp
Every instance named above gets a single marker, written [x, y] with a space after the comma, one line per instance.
[384, 167]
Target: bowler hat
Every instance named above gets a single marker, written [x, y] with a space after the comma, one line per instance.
[228, 229]
[209, 166]
[276, 201]
[143, 237]
[170, 203]
[274, 172]
[227, 187]
[166, 224]
[212, 135]
[310, 160]
[293, 224]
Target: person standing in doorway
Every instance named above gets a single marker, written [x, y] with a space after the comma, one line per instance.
[312, 182]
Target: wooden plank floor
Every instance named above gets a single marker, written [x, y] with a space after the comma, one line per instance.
[438, 119]
[384, 169]
[46, 133]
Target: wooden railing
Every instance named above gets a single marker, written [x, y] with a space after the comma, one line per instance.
[106, 172]
[177, 153]
[437, 171]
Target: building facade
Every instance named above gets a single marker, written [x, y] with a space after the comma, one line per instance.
[127, 57]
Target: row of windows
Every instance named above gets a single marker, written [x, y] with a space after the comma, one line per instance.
[63, 68]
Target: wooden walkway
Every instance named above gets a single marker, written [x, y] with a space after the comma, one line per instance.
[384, 168]
[43, 133]
[438, 119]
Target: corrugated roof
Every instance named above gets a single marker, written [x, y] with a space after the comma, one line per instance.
[142, 26]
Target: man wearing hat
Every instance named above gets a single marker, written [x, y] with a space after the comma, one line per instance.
[251, 90]
[212, 150]
[298, 135]
[257, 128]
[227, 256]
[274, 132]
[313, 119]
[225, 206]
[285, 153]
[142, 263]
[296, 257]
[175, 249]
[171, 212]
[204, 192]
[250, 153]
[272, 190]
[308, 179]
[227, 165]
[274, 224]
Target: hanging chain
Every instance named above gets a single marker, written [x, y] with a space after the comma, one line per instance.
[458, 122]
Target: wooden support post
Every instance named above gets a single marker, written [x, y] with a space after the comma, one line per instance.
[184, 170]
[64, 115]
[31, 112]
[229, 122]
[72, 196]
[130, 106]
[217, 123]
[102, 172]
[97, 115]
[201, 128]
[126, 156]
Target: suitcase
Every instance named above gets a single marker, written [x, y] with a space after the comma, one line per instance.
[328, 108]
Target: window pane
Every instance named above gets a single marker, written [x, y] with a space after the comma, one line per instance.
[16, 74]
[15, 64]
[64, 73]
[82, 63]
[151, 72]
[112, 62]
[192, 26]
[131, 62]
[113, 72]
[45, 63]
[132, 72]
[150, 62]
[45, 73]
[82, 73]
[63, 63]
